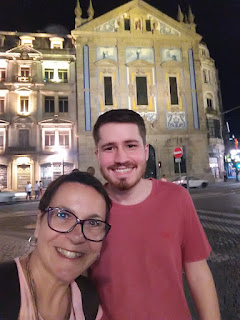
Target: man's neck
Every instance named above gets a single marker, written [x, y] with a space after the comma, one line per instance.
[132, 196]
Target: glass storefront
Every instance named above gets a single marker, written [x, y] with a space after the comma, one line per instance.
[51, 171]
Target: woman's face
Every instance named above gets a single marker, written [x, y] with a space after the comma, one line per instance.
[67, 255]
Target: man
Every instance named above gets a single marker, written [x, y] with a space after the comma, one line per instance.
[155, 234]
[36, 190]
[28, 189]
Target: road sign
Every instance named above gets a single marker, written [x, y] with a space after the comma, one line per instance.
[178, 152]
[177, 160]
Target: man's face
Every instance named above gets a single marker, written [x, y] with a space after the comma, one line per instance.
[121, 154]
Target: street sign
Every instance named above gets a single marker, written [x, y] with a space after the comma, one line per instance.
[178, 152]
[177, 160]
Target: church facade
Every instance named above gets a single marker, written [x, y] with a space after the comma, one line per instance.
[53, 87]
[138, 58]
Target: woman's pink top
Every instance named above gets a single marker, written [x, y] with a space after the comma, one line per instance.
[27, 310]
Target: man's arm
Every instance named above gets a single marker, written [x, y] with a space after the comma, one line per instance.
[203, 289]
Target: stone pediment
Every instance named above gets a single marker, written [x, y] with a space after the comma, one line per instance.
[24, 48]
[55, 121]
[138, 12]
[106, 63]
[3, 123]
[23, 122]
[140, 63]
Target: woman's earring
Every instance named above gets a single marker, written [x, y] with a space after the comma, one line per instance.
[32, 241]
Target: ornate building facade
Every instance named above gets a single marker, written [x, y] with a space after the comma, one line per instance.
[38, 108]
[138, 58]
[53, 88]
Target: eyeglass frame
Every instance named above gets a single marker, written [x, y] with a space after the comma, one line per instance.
[78, 221]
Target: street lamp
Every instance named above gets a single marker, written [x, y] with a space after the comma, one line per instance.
[62, 153]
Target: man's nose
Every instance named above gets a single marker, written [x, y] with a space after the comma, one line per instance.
[121, 155]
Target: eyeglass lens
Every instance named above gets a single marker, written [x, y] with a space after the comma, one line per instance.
[61, 220]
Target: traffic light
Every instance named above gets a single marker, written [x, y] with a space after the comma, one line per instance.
[236, 143]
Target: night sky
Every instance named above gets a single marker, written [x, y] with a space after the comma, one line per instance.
[218, 21]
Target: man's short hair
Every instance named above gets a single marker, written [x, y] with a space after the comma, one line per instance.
[119, 116]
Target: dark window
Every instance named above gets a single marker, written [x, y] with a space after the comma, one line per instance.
[142, 97]
[48, 75]
[148, 25]
[63, 104]
[2, 74]
[1, 139]
[214, 129]
[108, 91]
[49, 104]
[127, 24]
[2, 102]
[173, 90]
[63, 75]
[24, 138]
[209, 104]
[182, 165]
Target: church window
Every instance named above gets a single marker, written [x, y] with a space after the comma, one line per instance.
[141, 86]
[127, 25]
[108, 91]
[148, 25]
[173, 90]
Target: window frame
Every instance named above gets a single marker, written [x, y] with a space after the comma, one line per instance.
[64, 101]
[49, 99]
[24, 107]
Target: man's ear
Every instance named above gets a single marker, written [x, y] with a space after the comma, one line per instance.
[146, 151]
[38, 224]
[97, 155]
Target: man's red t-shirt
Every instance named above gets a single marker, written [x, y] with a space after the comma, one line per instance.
[139, 274]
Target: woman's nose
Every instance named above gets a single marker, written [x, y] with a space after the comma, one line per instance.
[76, 235]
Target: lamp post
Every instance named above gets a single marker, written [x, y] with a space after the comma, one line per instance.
[62, 153]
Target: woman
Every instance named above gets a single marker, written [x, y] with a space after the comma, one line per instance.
[71, 224]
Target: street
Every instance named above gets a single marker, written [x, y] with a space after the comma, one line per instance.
[218, 207]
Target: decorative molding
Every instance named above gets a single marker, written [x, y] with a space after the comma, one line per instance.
[176, 120]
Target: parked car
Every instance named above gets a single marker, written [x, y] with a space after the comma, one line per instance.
[193, 182]
[11, 196]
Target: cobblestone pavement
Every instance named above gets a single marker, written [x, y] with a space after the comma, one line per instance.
[222, 229]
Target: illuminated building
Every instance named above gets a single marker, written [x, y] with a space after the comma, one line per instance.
[37, 106]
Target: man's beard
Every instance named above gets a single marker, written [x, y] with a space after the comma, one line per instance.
[122, 184]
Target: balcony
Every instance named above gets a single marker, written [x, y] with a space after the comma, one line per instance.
[20, 150]
[25, 79]
[212, 111]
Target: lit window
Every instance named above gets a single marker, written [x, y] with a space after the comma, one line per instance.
[49, 104]
[2, 103]
[27, 41]
[25, 72]
[63, 104]
[49, 138]
[64, 139]
[108, 91]
[63, 75]
[173, 90]
[56, 43]
[141, 86]
[2, 75]
[48, 75]
[24, 104]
